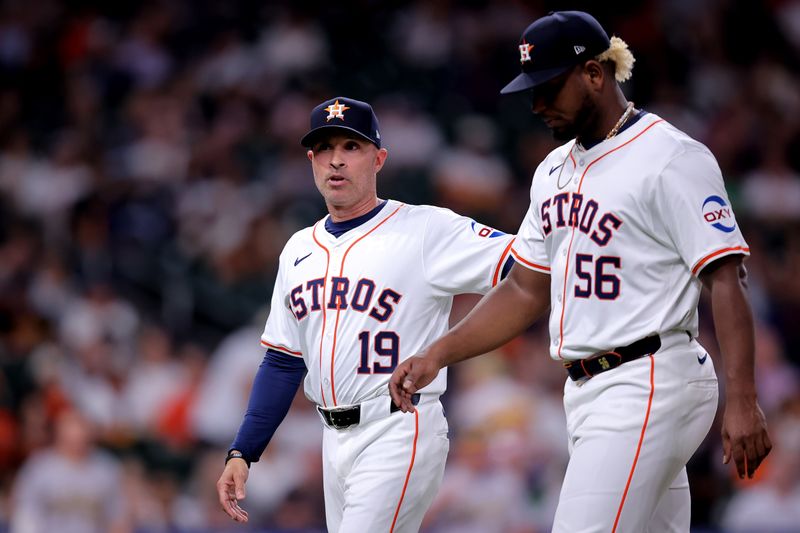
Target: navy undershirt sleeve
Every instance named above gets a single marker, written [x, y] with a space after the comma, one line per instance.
[274, 387]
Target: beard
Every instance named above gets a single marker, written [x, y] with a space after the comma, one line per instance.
[564, 133]
[585, 122]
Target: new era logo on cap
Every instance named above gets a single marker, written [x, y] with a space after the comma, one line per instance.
[342, 113]
[579, 49]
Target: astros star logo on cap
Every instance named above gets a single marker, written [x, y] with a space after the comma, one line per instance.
[336, 110]
[525, 52]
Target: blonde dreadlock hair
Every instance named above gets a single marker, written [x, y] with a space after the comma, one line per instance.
[622, 57]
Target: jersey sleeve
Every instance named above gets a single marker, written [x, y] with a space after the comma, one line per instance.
[693, 209]
[529, 248]
[460, 255]
[280, 332]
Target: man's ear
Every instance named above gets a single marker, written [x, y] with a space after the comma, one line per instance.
[594, 74]
[380, 158]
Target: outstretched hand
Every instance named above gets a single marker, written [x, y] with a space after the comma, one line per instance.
[744, 436]
[410, 376]
[230, 489]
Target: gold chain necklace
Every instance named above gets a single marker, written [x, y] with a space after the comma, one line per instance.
[622, 120]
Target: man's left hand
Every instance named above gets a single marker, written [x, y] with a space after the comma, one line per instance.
[744, 435]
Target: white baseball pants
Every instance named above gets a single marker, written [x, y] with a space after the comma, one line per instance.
[632, 430]
[383, 476]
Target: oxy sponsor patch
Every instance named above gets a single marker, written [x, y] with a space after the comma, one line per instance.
[718, 214]
[485, 231]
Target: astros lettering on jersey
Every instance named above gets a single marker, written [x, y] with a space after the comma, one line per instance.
[624, 234]
[354, 306]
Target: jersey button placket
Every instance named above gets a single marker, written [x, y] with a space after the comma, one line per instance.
[336, 268]
[576, 175]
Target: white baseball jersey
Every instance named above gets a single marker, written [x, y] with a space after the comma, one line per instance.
[355, 306]
[623, 229]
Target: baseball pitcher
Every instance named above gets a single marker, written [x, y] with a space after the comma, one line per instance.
[628, 221]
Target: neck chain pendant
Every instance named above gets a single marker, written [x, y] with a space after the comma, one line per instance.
[622, 120]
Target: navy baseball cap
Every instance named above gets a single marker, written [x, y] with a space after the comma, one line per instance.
[343, 113]
[555, 43]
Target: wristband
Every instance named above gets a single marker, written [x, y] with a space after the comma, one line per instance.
[236, 454]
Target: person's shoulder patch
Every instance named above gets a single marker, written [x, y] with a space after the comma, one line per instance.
[485, 231]
[718, 214]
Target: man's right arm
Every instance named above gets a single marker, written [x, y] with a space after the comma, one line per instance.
[274, 388]
[505, 312]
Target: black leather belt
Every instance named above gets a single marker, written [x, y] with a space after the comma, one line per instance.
[345, 417]
[583, 369]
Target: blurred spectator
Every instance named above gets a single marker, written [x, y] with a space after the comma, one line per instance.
[777, 381]
[71, 487]
[173, 424]
[145, 508]
[100, 315]
[507, 429]
[152, 379]
[771, 192]
[18, 253]
[52, 289]
[50, 187]
[471, 177]
[93, 385]
[292, 44]
[141, 54]
[223, 393]
[499, 505]
[412, 135]
[160, 152]
[423, 36]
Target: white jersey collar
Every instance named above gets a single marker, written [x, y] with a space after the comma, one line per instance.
[621, 138]
[321, 233]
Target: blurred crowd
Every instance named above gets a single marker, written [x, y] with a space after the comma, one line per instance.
[150, 173]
